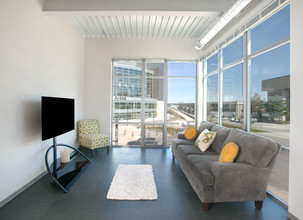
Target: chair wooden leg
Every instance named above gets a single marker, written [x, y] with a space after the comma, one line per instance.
[205, 206]
[258, 204]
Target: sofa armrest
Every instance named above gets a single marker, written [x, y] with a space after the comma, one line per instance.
[181, 135]
[240, 179]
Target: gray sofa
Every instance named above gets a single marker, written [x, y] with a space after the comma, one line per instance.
[245, 179]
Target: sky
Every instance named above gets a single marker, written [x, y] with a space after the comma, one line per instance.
[181, 90]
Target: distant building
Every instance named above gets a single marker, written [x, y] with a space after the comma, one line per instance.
[127, 92]
[232, 110]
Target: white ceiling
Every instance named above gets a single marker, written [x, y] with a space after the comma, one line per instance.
[138, 26]
[182, 19]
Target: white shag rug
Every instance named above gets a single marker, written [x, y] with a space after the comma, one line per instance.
[133, 182]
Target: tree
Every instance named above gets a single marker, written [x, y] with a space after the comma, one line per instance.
[276, 107]
[257, 106]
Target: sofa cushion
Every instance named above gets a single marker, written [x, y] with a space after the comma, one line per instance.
[255, 150]
[176, 142]
[184, 150]
[222, 134]
[201, 166]
[181, 135]
[194, 150]
[189, 149]
[205, 125]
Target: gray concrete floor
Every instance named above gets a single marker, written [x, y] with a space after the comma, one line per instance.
[86, 199]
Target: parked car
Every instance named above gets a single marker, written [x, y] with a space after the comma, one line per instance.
[148, 141]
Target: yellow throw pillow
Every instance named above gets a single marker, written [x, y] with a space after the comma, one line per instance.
[229, 152]
[190, 133]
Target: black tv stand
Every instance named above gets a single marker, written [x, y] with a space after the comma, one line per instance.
[64, 175]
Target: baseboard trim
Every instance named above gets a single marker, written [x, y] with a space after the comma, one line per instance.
[13, 195]
[277, 200]
[292, 217]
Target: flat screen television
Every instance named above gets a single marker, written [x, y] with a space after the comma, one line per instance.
[58, 116]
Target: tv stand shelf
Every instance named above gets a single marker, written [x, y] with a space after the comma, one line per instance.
[65, 174]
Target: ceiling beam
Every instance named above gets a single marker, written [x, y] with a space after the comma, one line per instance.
[137, 7]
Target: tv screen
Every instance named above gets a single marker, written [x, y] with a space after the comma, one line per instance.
[58, 116]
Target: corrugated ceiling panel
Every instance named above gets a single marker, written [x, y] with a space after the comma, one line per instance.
[141, 26]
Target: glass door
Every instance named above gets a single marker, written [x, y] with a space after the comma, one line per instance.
[154, 103]
[127, 101]
[181, 102]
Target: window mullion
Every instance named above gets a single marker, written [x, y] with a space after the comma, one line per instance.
[220, 86]
[143, 103]
[199, 93]
[247, 81]
[165, 102]
[204, 93]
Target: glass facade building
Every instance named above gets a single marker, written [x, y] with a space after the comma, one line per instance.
[127, 92]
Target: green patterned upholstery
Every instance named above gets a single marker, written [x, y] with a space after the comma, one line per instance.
[89, 134]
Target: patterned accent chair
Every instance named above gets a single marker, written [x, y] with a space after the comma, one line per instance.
[90, 137]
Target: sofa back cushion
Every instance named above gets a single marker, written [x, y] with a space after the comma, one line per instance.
[255, 150]
[205, 125]
[221, 135]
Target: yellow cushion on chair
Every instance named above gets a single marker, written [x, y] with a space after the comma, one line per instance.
[229, 152]
[190, 133]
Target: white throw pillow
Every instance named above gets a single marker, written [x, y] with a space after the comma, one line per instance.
[205, 139]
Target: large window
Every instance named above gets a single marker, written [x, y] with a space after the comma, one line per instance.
[270, 94]
[233, 106]
[212, 98]
[212, 63]
[270, 91]
[233, 52]
[211, 82]
[181, 105]
[232, 89]
[252, 91]
[152, 103]
[270, 31]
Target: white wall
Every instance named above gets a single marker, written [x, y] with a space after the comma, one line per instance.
[296, 121]
[39, 55]
[98, 57]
